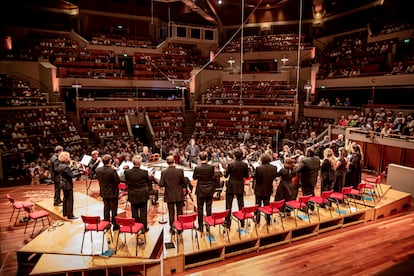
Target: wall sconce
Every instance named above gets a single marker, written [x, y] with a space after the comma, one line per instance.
[231, 61]
[284, 60]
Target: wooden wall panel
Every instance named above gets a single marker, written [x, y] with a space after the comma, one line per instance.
[408, 158]
[372, 156]
[391, 155]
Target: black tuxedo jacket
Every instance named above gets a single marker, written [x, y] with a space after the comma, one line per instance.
[264, 176]
[138, 184]
[237, 170]
[174, 182]
[108, 181]
[204, 175]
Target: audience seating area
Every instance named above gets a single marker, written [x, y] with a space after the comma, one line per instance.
[352, 56]
[276, 42]
[265, 109]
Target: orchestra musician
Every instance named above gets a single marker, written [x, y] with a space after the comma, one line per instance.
[66, 175]
[93, 164]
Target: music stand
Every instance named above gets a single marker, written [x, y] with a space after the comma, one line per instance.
[85, 162]
[163, 219]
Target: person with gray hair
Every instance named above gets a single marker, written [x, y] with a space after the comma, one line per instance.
[138, 185]
[174, 182]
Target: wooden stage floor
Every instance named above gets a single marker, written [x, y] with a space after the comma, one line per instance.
[56, 244]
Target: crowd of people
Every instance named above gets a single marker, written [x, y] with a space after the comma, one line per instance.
[214, 162]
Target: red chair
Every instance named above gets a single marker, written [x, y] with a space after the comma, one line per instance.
[216, 218]
[341, 197]
[248, 183]
[36, 215]
[17, 205]
[122, 187]
[186, 222]
[271, 209]
[128, 225]
[376, 182]
[94, 223]
[317, 201]
[244, 214]
[300, 204]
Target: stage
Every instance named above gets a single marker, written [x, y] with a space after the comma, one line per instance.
[50, 251]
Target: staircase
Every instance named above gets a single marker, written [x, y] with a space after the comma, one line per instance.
[71, 117]
[189, 122]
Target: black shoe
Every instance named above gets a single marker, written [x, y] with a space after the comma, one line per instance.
[115, 227]
[58, 204]
[73, 217]
[145, 230]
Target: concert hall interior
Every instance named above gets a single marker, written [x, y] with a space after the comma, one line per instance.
[290, 120]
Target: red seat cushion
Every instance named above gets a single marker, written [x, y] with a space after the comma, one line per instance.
[338, 196]
[39, 214]
[210, 220]
[101, 226]
[295, 204]
[183, 226]
[268, 210]
[241, 215]
[318, 200]
[136, 227]
[21, 204]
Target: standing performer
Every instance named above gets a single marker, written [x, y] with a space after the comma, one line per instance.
[138, 185]
[264, 176]
[174, 182]
[93, 164]
[205, 188]
[353, 177]
[66, 183]
[309, 169]
[192, 151]
[328, 170]
[54, 163]
[108, 184]
[236, 171]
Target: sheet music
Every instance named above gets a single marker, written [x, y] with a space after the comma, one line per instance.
[278, 164]
[85, 160]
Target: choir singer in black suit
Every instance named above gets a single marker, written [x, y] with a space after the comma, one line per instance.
[236, 171]
[264, 176]
[309, 170]
[174, 182]
[108, 183]
[138, 184]
[204, 174]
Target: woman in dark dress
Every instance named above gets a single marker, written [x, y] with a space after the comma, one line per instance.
[353, 177]
[340, 169]
[66, 183]
[328, 170]
[286, 189]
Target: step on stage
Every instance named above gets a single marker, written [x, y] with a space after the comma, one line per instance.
[57, 249]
